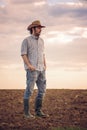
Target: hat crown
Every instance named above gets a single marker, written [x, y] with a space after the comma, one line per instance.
[37, 22]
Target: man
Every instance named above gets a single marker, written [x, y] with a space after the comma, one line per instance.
[32, 52]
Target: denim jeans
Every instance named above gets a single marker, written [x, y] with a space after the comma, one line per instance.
[33, 77]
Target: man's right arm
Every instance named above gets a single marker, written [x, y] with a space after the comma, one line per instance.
[27, 62]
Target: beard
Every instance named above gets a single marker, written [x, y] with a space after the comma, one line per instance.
[37, 33]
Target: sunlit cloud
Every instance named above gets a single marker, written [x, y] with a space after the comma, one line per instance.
[80, 31]
[84, 35]
[2, 4]
[60, 38]
[40, 3]
[57, 37]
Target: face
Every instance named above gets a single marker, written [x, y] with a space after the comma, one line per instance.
[37, 31]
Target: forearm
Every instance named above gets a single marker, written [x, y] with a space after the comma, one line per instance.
[27, 62]
[44, 62]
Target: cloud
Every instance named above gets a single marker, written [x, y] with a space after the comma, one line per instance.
[73, 54]
[22, 12]
[74, 15]
[25, 1]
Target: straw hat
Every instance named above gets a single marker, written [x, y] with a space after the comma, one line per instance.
[35, 24]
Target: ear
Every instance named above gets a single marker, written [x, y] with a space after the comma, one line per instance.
[33, 30]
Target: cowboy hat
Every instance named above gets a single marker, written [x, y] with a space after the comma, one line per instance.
[35, 24]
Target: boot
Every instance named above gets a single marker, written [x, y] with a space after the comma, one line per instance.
[27, 113]
[38, 106]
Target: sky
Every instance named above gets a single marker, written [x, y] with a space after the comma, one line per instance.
[65, 38]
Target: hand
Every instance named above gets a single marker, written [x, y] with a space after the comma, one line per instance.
[32, 68]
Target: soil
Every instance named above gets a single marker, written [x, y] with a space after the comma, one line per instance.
[66, 108]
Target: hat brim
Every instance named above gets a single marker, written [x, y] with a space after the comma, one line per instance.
[31, 26]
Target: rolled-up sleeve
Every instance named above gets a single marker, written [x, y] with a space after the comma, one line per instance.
[24, 47]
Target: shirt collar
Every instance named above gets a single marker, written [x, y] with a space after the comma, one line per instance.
[35, 37]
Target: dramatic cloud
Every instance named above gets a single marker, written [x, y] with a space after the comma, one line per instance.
[74, 15]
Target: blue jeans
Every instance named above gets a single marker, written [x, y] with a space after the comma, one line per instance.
[33, 77]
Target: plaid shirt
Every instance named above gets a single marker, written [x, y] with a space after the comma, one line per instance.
[34, 49]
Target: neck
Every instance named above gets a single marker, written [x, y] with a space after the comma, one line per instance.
[36, 37]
